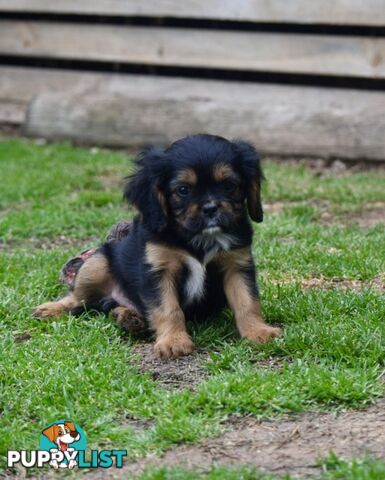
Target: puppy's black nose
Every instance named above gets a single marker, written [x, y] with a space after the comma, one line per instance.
[74, 434]
[210, 209]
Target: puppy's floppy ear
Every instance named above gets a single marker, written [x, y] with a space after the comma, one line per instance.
[145, 188]
[71, 426]
[251, 172]
[51, 433]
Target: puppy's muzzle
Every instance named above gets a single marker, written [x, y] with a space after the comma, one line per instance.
[210, 215]
[210, 209]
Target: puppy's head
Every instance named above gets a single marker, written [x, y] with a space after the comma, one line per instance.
[200, 184]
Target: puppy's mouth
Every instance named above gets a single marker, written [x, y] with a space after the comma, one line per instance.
[212, 230]
[209, 227]
[63, 446]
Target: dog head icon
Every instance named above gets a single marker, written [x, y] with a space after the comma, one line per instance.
[62, 434]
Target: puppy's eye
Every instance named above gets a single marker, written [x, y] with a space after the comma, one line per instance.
[229, 186]
[183, 190]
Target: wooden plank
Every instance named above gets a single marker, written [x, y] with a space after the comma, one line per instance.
[344, 12]
[12, 112]
[20, 84]
[256, 51]
[130, 110]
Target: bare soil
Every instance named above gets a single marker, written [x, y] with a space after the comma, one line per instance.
[60, 241]
[291, 445]
[330, 167]
[373, 214]
[184, 372]
[286, 445]
[377, 283]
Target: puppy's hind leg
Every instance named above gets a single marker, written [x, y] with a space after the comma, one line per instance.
[93, 282]
[55, 309]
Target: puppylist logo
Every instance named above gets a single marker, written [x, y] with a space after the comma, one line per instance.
[63, 445]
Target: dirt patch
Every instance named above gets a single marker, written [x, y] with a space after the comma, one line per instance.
[320, 205]
[275, 207]
[50, 243]
[138, 426]
[22, 337]
[111, 180]
[292, 445]
[185, 372]
[373, 214]
[377, 283]
[330, 167]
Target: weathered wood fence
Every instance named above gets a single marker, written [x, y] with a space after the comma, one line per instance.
[296, 77]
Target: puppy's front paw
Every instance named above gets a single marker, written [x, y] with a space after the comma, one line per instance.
[130, 320]
[47, 310]
[173, 345]
[262, 333]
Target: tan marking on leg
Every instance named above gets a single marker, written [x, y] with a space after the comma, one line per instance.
[92, 283]
[246, 308]
[94, 280]
[55, 309]
[172, 339]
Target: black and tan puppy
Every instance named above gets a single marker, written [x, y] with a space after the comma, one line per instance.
[188, 251]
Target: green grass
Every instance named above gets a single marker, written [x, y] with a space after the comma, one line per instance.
[215, 473]
[331, 356]
[333, 468]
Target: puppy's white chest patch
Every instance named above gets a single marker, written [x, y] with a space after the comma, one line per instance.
[194, 286]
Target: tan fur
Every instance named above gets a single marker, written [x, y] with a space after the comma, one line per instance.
[162, 201]
[227, 207]
[246, 308]
[187, 176]
[222, 172]
[172, 339]
[191, 212]
[55, 309]
[92, 283]
[234, 259]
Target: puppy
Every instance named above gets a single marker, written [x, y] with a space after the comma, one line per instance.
[188, 252]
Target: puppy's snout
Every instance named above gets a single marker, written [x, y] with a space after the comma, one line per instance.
[210, 209]
[74, 434]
